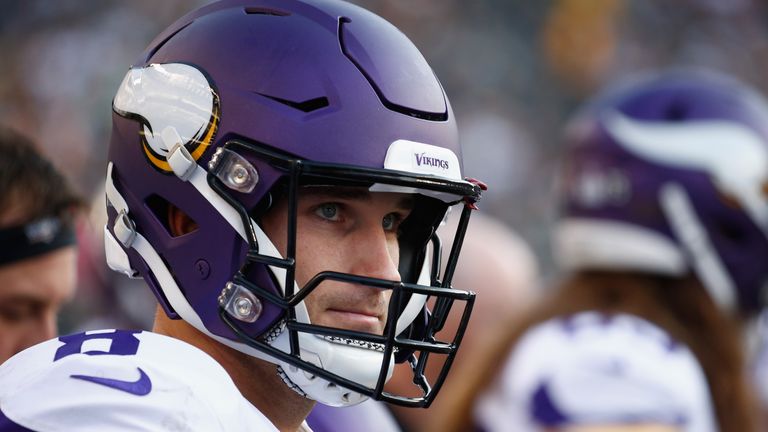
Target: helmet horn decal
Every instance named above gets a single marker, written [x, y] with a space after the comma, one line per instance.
[699, 145]
[163, 95]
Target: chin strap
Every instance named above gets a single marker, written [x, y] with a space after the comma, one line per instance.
[290, 384]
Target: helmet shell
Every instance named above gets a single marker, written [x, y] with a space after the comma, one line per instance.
[628, 149]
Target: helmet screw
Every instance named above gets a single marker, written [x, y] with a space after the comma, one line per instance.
[239, 174]
[240, 303]
[203, 269]
[243, 306]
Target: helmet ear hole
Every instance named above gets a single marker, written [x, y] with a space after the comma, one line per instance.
[175, 221]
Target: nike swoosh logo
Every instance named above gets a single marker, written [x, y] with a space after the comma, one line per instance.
[140, 387]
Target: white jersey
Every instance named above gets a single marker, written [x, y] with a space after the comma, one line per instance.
[594, 369]
[118, 380]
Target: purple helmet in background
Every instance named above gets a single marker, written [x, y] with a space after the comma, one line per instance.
[668, 174]
[241, 101]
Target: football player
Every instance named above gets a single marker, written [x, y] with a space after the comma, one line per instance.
[664, 230]
[277, 172]
[38, 246]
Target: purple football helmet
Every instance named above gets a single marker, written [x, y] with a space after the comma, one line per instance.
[240, 102]
[667, 174]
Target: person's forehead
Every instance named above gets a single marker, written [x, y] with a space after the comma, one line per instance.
[49, 276]
[405, 200]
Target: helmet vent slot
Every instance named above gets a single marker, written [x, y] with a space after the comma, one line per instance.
[348, 52]
[253, 10]
[306, 106]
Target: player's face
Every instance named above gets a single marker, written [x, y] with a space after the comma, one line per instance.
[347, 230]
[31, 293]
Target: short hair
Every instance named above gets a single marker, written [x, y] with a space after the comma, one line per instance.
[31, 187]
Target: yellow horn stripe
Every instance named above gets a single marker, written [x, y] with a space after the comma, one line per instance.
[208, 136]
[199, 150]
[160, 163]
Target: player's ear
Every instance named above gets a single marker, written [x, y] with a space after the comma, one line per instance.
[178, 222]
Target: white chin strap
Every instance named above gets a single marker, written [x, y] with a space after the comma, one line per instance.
[356, 363]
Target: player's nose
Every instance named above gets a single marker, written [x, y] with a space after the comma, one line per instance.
[375, 254]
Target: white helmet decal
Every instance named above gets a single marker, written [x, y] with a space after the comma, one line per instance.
[164, 95]
[730, 152]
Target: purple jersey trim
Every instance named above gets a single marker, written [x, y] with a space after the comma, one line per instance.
[8, 425]
[544, 410]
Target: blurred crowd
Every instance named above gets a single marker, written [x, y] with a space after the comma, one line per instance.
[513, 69]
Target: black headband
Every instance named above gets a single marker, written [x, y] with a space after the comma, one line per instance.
[35, 238]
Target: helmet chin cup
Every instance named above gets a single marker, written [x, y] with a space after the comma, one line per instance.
[354, 363]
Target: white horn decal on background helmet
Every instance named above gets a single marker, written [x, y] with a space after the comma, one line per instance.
[732, 153]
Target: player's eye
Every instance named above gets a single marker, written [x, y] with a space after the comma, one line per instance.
[329, 211]
[10, 316]
[391, 222]
[15, 314]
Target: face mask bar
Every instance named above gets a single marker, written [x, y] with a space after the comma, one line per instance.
[296, 169]
[389, 341]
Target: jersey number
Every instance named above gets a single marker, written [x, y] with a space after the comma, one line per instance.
[124, 342]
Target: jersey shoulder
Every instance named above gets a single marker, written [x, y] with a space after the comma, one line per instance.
[597, 368]
[121, 380]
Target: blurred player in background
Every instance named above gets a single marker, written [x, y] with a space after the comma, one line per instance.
[38, 247]
[276, 175]
[664, 227]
